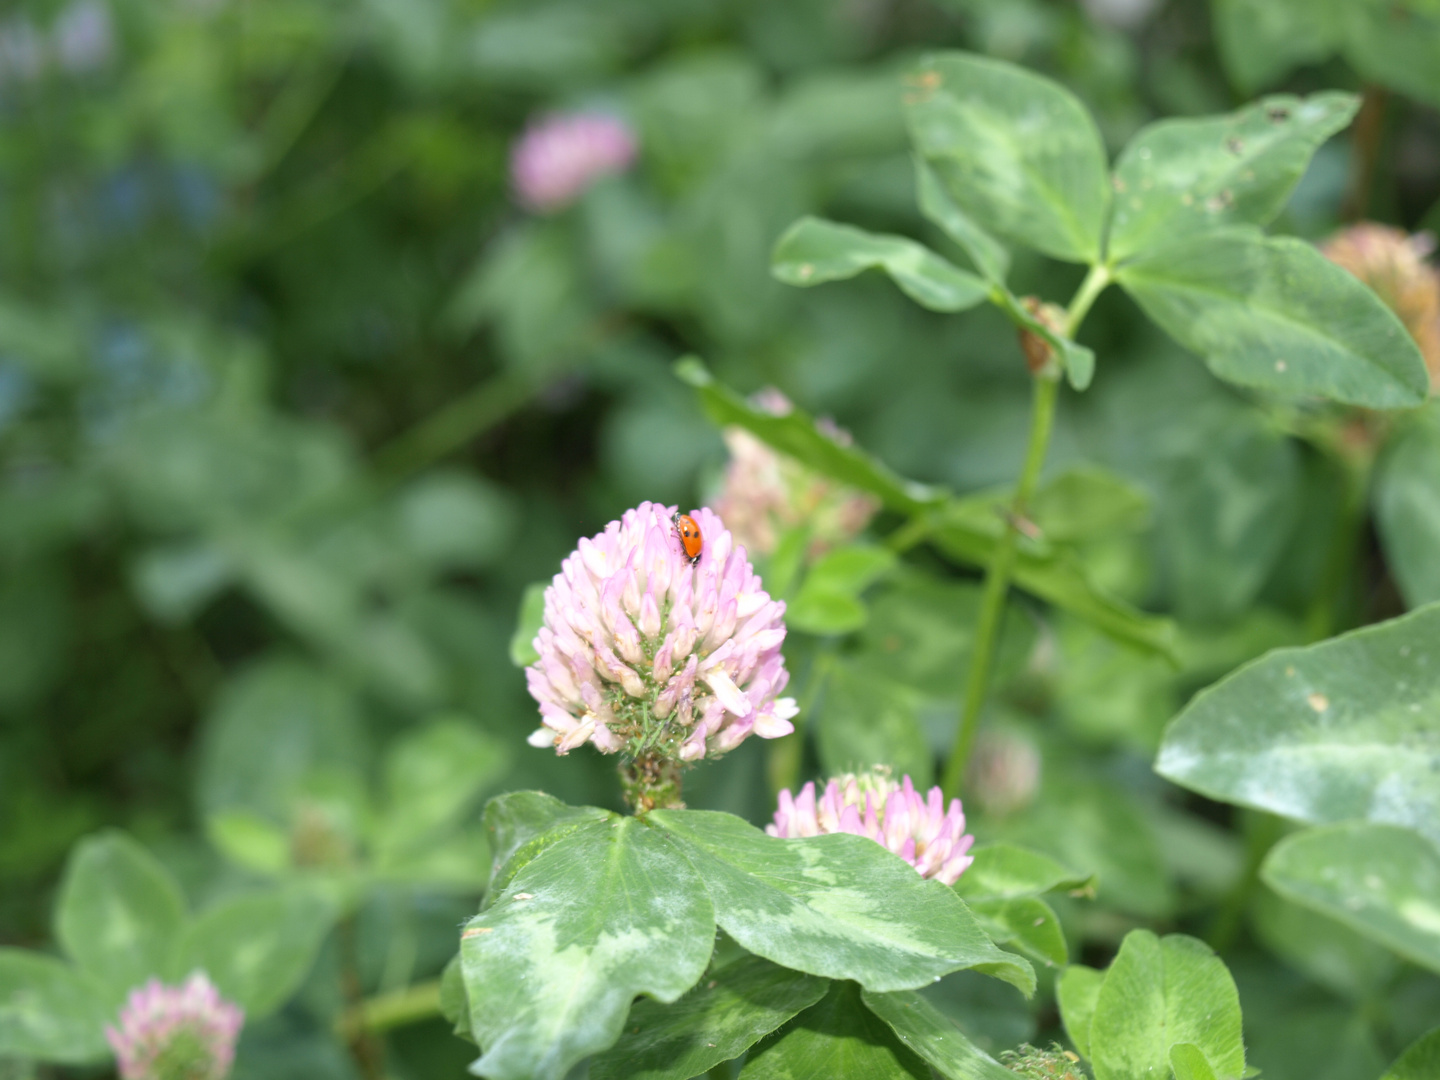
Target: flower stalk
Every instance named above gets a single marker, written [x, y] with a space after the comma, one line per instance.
[1002, 566]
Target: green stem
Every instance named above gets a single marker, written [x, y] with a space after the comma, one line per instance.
[997, 585]
[1093, 285]
[1330, 607]
[395, 1009]
[1002, 564]
[908, 535]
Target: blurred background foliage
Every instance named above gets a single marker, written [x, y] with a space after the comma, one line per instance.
[295, 401]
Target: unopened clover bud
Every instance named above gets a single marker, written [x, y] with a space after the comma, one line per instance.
[185, 1032]
[563, 154]
[923, 831]
[1392, 262]
[1039, 353]
[650, 653]
[766, 493]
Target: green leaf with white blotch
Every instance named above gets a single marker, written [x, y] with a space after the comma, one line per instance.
[828, 601]
[1332, 732]
[1014, 150]
[610, 911]
[1407, 508]
[1004, 871]
[527, 625]
[432, 777]
[1190, 1063]
[1380, 880]
[796, 434]
[257, 949]
[119, 913]
[1076, 992]
[1160, 992]
[837, 1037]
[813, 251]
[987, 253]
[1189, 175]
[522, 824]
[1275, 314]
[1056, 578]
[1420, 1061]
[927, 1031]
[1027, 924]
[867, 719]
[837, 905]
[49, 1011]
[717, 1021]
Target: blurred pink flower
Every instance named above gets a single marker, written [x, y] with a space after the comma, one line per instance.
[642, 652]
[183, 1032]
[84, 37]
[1004, 772]
[562, 154]
[766, 493]
[1392, 262]
[920, 830]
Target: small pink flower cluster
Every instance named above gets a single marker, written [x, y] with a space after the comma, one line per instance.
[766, 493]
[642, 651]
[920, 830]
[168, 1032]
[561, 155]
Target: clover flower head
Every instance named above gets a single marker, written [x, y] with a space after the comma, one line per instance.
[921, 830]
[185, 1032]
[562, 154]
[643, 651]
[765, 493]
[1392, 262]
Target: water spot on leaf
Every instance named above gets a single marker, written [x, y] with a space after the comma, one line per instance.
[1318, 701]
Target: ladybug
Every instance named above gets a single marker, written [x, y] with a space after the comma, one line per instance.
[689, 534]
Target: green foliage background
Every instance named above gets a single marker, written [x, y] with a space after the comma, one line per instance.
[295, 402]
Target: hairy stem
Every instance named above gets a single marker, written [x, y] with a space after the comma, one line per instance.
[997, 585]
[651, 782]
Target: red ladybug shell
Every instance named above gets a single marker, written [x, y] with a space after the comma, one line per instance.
[689, 534]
